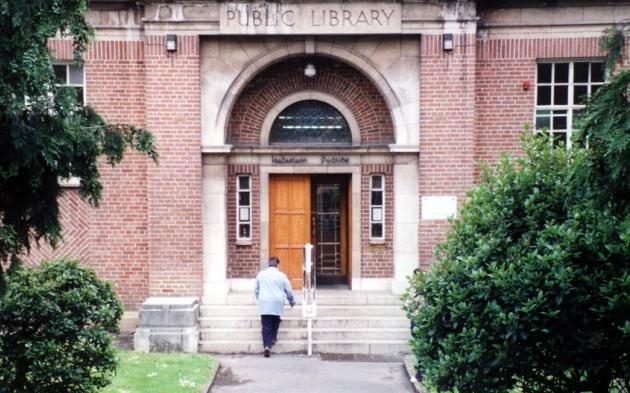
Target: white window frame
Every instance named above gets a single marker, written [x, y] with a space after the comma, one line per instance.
[246, 209]
[571, 106]
[67, 82]
[372, 218]
[73, 181]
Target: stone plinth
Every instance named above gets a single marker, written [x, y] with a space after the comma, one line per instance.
[168, 324]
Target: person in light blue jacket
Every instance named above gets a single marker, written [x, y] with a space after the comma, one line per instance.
[271, 288]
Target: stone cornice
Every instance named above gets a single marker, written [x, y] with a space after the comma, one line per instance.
[133, 19]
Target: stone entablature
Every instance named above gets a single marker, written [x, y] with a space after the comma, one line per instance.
[269, 18]
[344, 18]
[284, 18]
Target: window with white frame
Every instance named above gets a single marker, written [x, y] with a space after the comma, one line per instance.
[71, 76]
[377, 207]
[243, 207]
[561, 92]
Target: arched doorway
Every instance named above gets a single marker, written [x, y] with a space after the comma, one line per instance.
[310, 208]
[310, 145]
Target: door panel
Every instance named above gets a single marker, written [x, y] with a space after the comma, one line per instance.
[289, 222]
[330, 228]
[348, 216]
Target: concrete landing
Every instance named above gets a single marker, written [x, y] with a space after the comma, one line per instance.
[298, 373]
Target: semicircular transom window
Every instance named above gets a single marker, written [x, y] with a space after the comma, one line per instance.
[310, 122]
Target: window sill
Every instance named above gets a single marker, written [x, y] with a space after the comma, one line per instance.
[244, 243]
[377, 242]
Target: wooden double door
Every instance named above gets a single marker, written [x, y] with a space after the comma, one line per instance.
[310, 209]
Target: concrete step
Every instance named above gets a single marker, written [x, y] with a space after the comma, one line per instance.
[372, 347]
[322, 310]
[299, 322]
[327, 298]
[301, 334]
[347, 322]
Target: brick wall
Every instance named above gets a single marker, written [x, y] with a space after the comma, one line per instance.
[146, 236]
[503, 106]
[174, 186]
[74, 220]
[244, 259]
[495, 102]
[113, 238]
[377, 257]
[447, 114]
[334, 78]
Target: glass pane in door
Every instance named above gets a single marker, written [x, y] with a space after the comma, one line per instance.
[328, 229]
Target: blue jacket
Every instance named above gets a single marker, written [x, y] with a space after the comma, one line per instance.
[271, 287]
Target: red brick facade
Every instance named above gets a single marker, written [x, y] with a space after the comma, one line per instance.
[447, 128]
[147, 235]
[243, 258]
[503, 106]
[334, 78]
[495, 101]
[113, 238]
[377, 256]
[173, 114]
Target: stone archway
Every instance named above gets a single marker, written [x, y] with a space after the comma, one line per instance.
[403, 136]
[336, 83]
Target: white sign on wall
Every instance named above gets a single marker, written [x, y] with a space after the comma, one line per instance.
[439, 207]
[310, 18]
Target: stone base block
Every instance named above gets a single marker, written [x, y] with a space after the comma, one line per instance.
[169, 312]
[168, 325]
[167, 340]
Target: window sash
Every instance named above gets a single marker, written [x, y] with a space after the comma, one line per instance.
[551, 114]
[67, 82]
[377, 210]
[243, 210]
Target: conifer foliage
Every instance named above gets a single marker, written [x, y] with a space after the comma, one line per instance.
[45, 133]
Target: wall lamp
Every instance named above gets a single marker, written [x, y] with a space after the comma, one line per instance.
[310, 71]
[171, 42]
[447, 42]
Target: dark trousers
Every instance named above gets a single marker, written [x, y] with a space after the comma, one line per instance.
[270, 326]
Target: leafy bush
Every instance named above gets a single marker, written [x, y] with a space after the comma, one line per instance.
[54, 324]
[532, 286]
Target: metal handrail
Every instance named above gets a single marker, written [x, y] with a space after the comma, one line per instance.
[309, 300]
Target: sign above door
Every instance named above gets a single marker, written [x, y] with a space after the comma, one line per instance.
[310, 18]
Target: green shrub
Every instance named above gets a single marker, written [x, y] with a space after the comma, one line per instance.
[54, 324]
[532, 286]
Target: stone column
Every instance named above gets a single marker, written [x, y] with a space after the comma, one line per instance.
[406, 216]
[355, 254]
[215, 284]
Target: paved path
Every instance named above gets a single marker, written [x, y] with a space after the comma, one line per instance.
[301, 374]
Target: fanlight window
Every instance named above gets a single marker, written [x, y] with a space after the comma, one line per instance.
[310, 122]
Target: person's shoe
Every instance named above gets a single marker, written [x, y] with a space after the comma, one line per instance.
[267, 352]
[274, 341]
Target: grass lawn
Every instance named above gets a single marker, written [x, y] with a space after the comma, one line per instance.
[161, 373]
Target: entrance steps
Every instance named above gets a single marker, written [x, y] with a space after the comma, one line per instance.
[347, 322]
